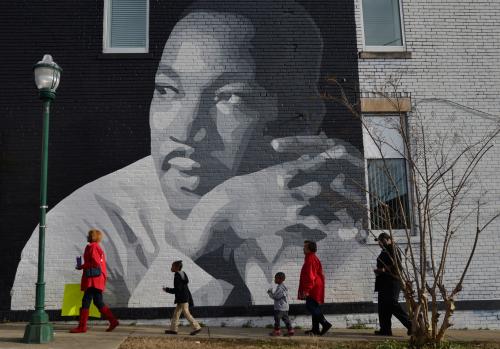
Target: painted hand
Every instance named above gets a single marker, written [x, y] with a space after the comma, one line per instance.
[293, 200]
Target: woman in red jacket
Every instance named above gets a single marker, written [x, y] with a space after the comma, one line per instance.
[312, 288]
[94, 282]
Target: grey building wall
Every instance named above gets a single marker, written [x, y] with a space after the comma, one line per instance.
[453, 77]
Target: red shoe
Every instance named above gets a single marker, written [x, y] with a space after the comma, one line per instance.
[290, 332]
[108, 315]
[82, 325]
[275, 333]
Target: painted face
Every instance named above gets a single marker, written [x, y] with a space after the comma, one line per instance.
[207, 108]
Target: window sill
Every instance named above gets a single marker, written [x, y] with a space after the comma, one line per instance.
[399, 237]
[125, 56]
[385, 55]
[385, 105]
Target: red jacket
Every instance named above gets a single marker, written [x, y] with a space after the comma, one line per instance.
[94, 257]
[312, 279]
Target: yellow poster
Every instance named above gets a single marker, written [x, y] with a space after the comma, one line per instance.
[72, 301]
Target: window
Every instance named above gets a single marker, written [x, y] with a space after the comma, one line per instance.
[126, 26]
[387, 181]
[382, 25]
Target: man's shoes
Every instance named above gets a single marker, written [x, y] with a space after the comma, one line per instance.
[195, 332]
[325, 328]
[380, 333]
[275, 333]
[312, 332]
[170, 332]
[290, 332]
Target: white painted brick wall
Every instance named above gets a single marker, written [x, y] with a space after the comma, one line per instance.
[455, 47]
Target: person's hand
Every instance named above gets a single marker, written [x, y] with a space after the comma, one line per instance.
[79, 267]
[303, 295]
[268, 208]
[165, 289]
[270, 290]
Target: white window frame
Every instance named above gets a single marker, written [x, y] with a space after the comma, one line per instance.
[369, 48]
[106, 48]
[398, 233]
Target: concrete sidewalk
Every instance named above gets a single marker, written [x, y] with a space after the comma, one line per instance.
[97, 338]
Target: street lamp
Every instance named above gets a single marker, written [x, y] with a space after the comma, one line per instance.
[47, 76]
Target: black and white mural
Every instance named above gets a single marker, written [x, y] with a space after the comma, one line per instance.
[246, 162]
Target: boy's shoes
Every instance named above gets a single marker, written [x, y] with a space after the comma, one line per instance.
[325, 328]
[380, 333]
[290, 333]
[170, 332]
[275, 333]
[195, 332]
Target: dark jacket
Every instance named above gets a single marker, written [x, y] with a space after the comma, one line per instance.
[181, 289]
[387, 280]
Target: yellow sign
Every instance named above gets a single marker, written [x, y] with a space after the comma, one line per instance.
[72, 302]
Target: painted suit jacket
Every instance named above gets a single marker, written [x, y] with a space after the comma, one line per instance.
[129, 206]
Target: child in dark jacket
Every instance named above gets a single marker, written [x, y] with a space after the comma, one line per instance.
[183, 300]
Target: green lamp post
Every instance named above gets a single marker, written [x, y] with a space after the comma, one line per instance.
[47, 77]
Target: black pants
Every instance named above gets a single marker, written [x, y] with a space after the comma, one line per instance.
[281, 315]
[94, 294]
[317, 316]
[388, 305]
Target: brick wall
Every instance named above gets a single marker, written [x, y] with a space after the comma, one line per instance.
[454, 80]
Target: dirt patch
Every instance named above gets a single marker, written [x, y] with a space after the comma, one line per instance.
[203, 343]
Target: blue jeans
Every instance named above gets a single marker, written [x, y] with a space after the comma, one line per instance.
[313, 307]
[281, 315]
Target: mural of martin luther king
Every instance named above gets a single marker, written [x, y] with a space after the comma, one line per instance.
[240, 172]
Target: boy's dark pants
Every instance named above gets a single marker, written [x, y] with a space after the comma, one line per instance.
[281, 315]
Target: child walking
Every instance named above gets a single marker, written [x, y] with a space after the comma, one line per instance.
[183, 300]
[281, 307]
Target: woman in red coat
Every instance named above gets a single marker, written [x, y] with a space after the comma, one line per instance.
[312, 288]
[94, 282]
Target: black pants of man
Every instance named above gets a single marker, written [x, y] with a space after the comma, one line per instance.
[94, 294]
[317, 316]
[388, 305]
[281, 315]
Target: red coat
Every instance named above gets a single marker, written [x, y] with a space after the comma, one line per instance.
[312, 279]
[94, 257]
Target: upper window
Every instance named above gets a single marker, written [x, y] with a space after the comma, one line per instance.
[387, 181]
[382, 25]
[126, 26]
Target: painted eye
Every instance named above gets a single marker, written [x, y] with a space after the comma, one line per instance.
[166, 90]
[228, 97]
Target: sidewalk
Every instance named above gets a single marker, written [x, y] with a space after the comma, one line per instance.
[97, 338]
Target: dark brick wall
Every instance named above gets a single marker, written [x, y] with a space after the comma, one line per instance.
[102, 100]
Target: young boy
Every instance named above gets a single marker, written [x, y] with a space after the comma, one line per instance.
[183, 300]
[281, 306]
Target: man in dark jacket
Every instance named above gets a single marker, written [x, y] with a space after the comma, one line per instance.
[183, 300]
[388, 287]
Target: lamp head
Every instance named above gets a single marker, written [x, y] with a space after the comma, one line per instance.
[47, 76]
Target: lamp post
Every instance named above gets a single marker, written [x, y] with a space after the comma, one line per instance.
[47, 76]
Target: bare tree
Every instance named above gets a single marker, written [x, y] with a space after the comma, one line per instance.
[444, 194]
